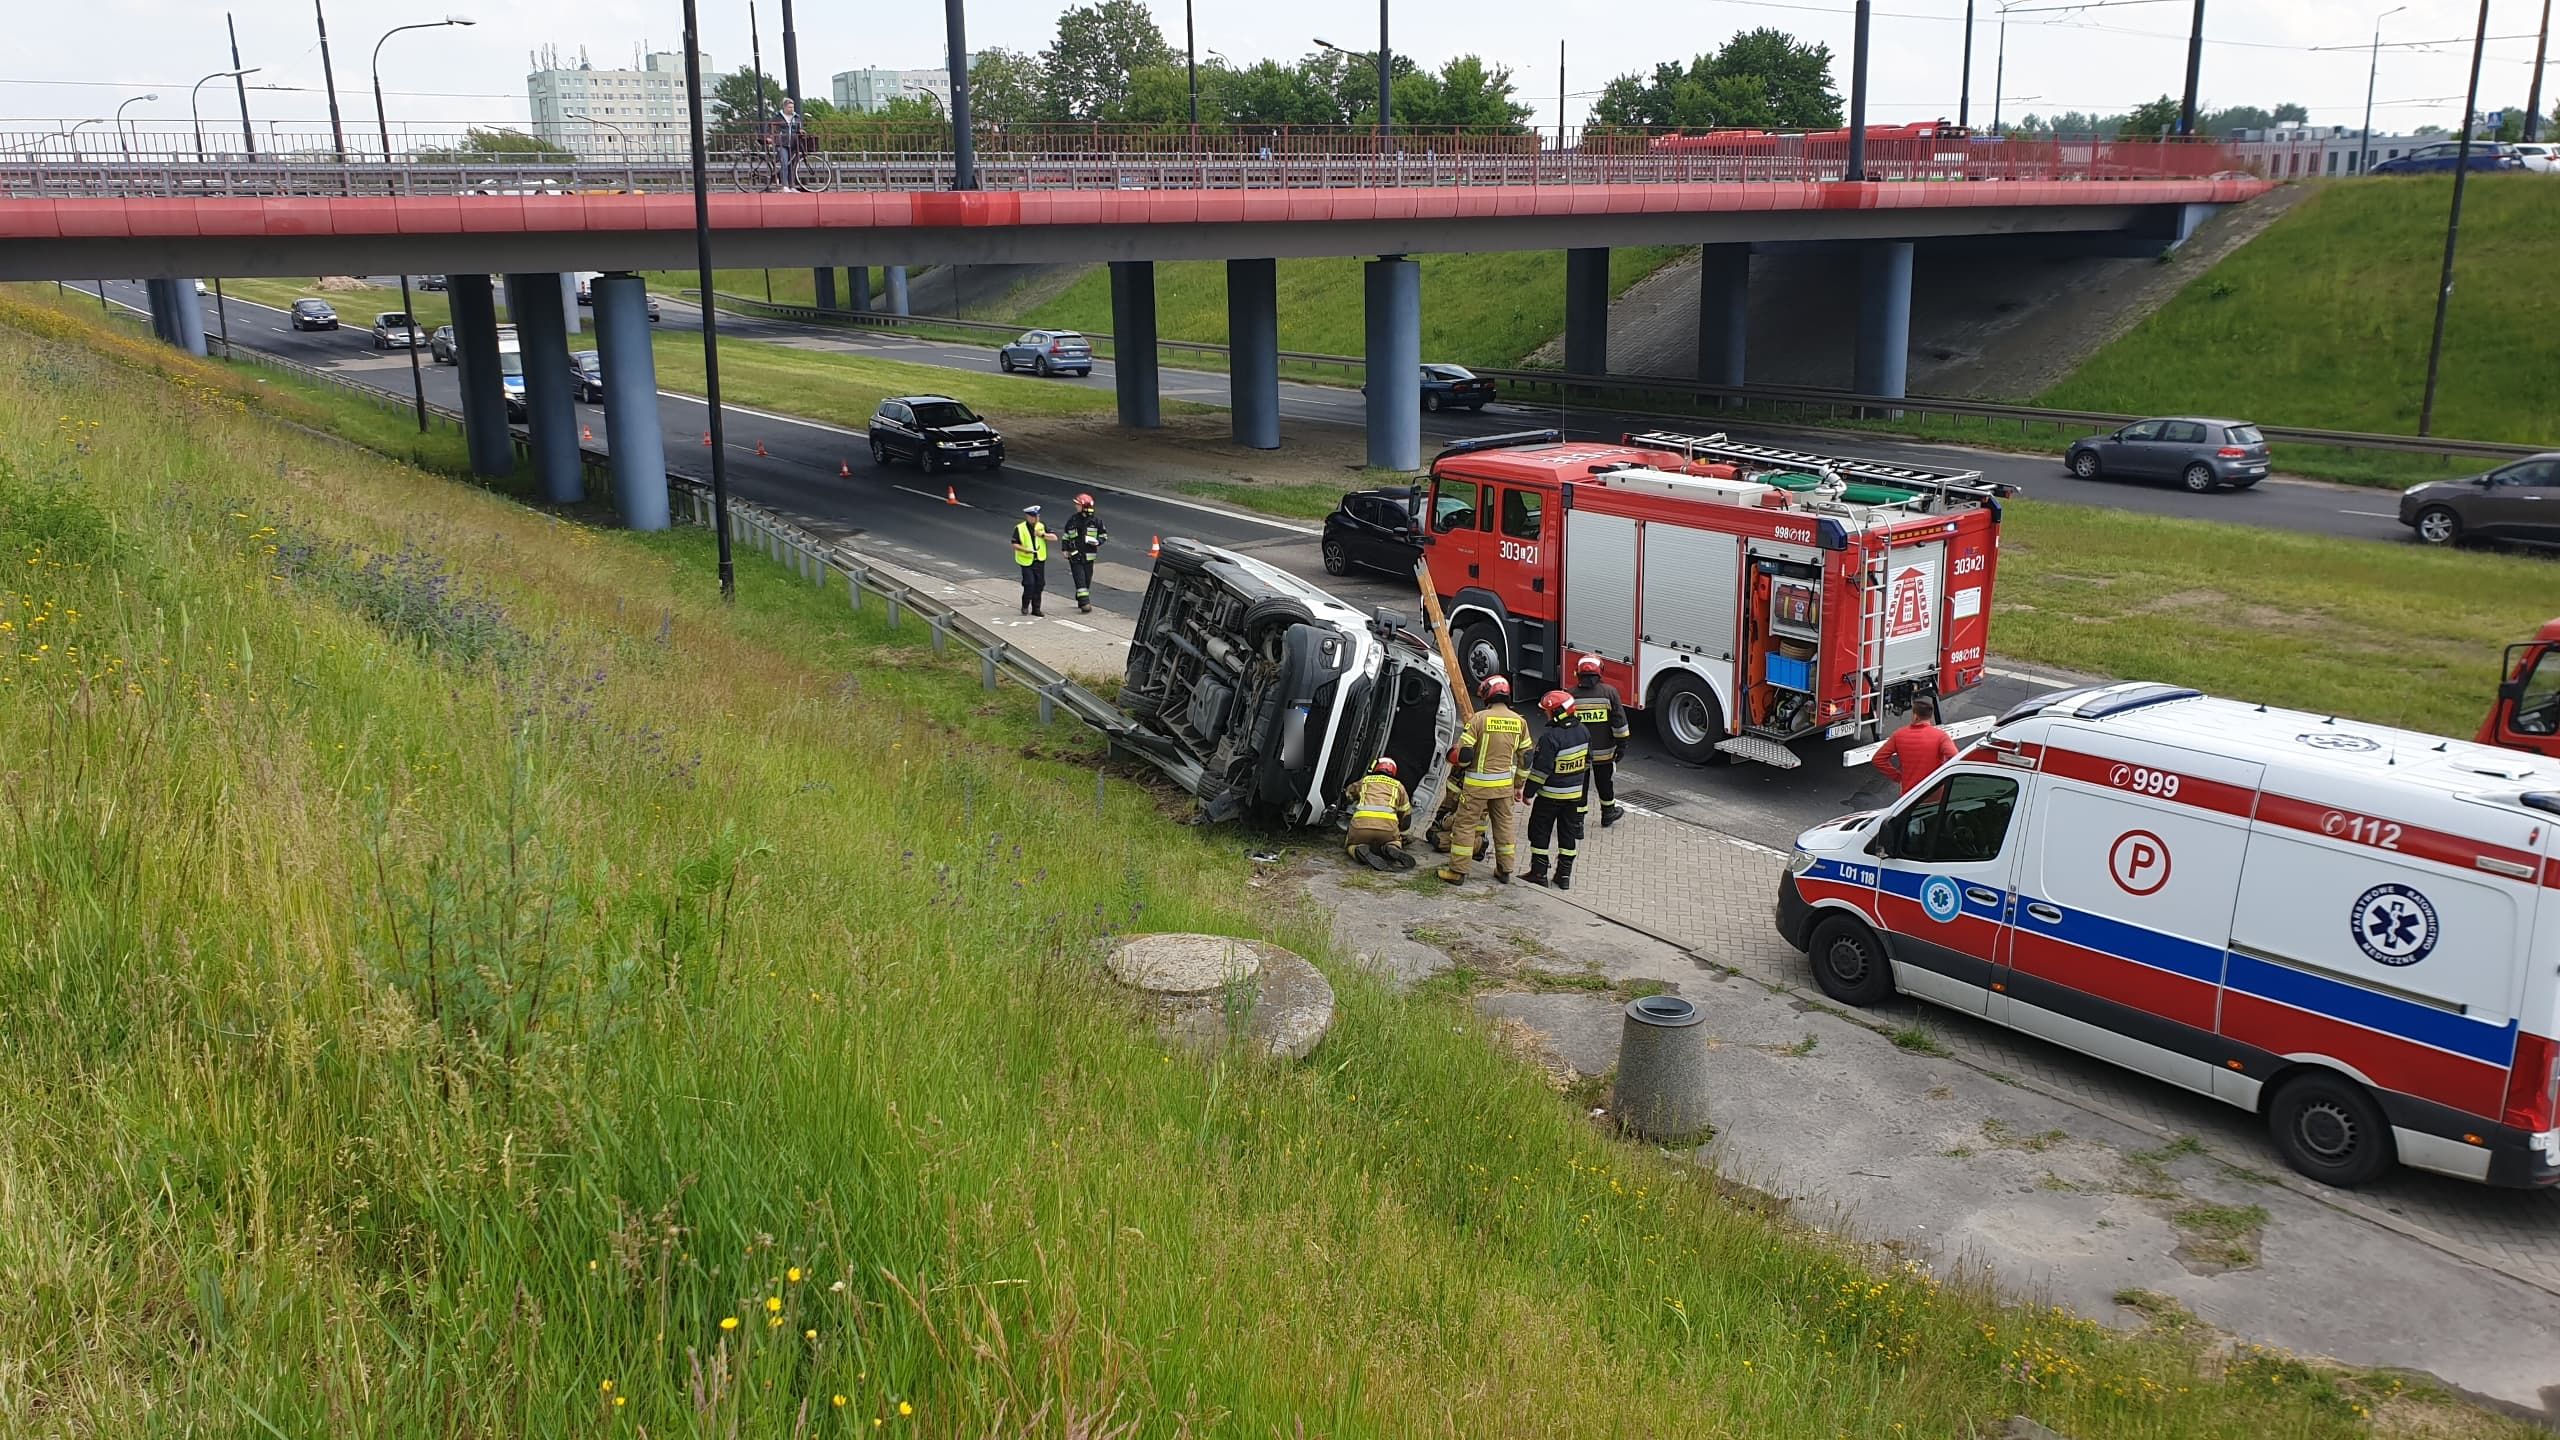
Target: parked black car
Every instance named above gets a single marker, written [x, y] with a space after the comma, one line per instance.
[586, 370]
[2446, 156]
[314, 315]
[2200, 454]
[1452, 387]
[441, 346]
[430, 282]
[2517, 501]
[936, 432]
[1373, 530]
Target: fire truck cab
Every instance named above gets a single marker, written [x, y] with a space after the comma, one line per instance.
[1747, 597]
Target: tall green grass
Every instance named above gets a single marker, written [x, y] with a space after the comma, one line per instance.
[2324, 320]
[461, 979]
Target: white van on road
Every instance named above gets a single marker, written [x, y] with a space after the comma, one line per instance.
[2350, 929]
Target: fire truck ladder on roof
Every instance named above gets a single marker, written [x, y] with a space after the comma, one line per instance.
[1949, 485]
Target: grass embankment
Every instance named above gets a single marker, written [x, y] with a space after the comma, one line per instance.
[1489, 309]
[2324, 320]
[463, 979]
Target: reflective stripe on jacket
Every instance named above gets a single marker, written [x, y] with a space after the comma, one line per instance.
[1560, 764]
[1601, 711]
[1083, 537]
[1380, 797]
[1490, 745]
[1030, 543]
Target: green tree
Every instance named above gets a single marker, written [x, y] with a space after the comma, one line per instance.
[733, 102]
[1466, 95]
[1098, 48]
[1156, 95]
[1761, 79]
[2289, 113]
[2149, 119]
[907, 123]
[1007, 89]
[479, 144]
[1272, 94]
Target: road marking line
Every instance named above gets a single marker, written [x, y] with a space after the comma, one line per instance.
[929, 495]
[2029, 676]
[2376, 514]
[1081, 629]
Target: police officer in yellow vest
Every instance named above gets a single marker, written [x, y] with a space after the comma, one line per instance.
[1489, 749]
[1379, 812]
[1031, 555]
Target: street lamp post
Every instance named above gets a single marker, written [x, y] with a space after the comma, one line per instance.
[2195, 72]
[711, 312]
[1191, 62]
[382, 122]
[1856, 169]
[124, 137]
[2364, 160]
[2541, 50]
[2453, 220]
[1386, 89]
[73, 134]
[195, 112]
[621, 141]
[329, 79]
[2000, 69]
[248, 137]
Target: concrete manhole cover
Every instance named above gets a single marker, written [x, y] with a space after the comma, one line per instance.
[1185, 964]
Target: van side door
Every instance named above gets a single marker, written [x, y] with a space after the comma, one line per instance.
[2125, 903]
[1945, 864]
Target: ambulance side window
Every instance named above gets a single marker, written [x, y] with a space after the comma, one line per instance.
[1520, 513]
[1963, 819]
[1453, 506]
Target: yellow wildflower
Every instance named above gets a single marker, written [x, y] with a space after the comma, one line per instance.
[728, 1322]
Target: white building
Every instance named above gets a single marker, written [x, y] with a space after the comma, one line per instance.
[608, 114]
[872, 90]
[2293, 152]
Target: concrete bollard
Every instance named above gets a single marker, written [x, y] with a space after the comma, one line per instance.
[1662, 1070]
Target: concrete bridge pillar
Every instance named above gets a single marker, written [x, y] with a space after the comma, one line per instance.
[1884, 317]
[1253, 352]
[1586, 311]
[175, 315]
[631, 401]
[894, 287]
[857, 286]
[1724, 310]
[1392, 290]
[569, 318]
[484, 391]
[825, 276]
[1133, 342]
[551, 408]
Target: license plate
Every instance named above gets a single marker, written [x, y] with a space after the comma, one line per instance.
[1841, 731]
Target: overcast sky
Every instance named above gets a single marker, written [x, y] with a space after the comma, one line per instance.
[74, 60]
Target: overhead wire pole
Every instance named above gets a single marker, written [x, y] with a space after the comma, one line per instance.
[710, 312]
[1386, 76]
[1191, 62]
[2453, 220]
[964, 140]
[1857, 167]
[328, 78]
[2195, 73]
[2373, 71]
[248, 137]
[2541, 48]
[1964, 97]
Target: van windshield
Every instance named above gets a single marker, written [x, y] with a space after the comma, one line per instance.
[511, 364]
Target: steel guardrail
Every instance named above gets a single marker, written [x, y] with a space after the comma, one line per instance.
[1832, 402]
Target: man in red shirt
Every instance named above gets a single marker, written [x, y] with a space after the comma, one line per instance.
[1916, 750]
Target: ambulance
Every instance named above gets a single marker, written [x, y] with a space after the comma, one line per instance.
[2350, 930]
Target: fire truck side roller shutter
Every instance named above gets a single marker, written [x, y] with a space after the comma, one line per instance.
[1600, 584]
[1692, 589]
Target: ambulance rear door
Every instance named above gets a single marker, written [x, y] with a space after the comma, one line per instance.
[2125, 901]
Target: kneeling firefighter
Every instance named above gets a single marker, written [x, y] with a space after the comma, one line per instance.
[1379, 812]
[1555, 784]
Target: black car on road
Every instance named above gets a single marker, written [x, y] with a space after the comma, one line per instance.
[1452, 387]
[586, 369]
[1373, 530]
[936, 432]
[313, 315]
[430, 282]
[2517, 501]
[2201, 454]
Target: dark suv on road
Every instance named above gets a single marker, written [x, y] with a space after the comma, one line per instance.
[1373, 530]
[2200, 454]
[314, 315]
[936, 432]
[2516, 501]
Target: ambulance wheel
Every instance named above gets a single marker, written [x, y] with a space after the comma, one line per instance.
[2328, 1127]
[1687, 719]
[1849, 962]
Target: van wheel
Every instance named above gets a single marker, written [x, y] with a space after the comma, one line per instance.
[2328, 1127]
[1687, 719]
[1849, 962]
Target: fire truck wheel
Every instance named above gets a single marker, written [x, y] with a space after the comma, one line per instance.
[1480, 652]
[1687, 719]
[1848, 963]
[2327, 1127]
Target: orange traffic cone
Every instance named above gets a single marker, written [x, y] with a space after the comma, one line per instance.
[760, 447]
[950, 494]
[706, 439]
[1155, 547]
[844, 470]
[587, 433]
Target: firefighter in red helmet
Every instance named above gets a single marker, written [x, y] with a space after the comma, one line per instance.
[1597, 704]
[1555, 783]
[1490, 748]
[1082, 540]
[1380, 810]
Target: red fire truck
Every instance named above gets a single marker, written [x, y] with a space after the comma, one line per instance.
[1749, 597]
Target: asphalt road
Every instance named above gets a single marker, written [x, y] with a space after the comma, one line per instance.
[897, 514]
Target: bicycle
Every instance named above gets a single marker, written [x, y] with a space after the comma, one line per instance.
[759, 168]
